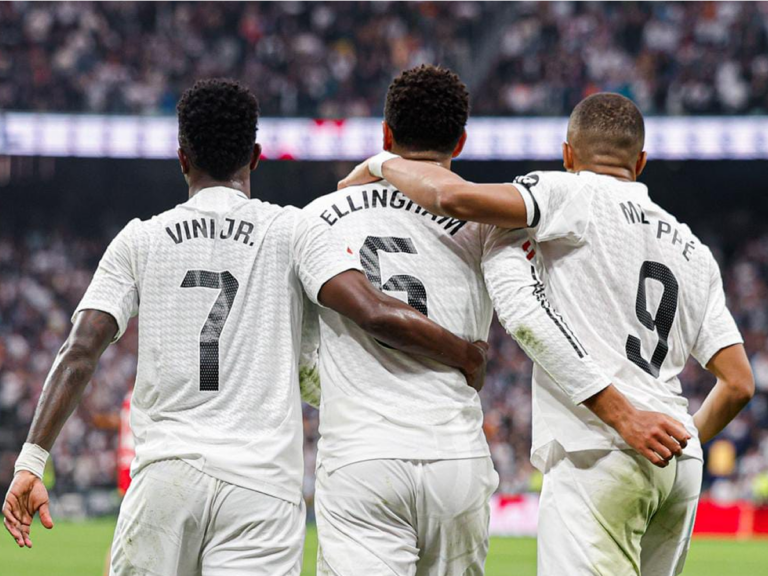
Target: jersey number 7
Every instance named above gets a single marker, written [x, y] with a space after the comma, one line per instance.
[214, 324]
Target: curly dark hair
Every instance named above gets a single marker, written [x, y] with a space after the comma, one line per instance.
[607, 123]
[218, 120]
[427, 109]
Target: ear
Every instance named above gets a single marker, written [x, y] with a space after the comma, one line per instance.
[460, 145]
[183, 161]
[389, 140]
[255, 155]
[568, 162]
[642, 160]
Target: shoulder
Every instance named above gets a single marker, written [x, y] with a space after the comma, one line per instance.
[549, 179]
[322, 203]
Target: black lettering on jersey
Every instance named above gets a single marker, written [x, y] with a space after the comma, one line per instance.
[453, 225]
[663, 232]
[245, 230]
[328, 218]
[231, 229]
[352, 207]
[379, 197]
[177, 238]
[339, 213]
[633, 214]
[397, 200]
[686, 251]
[200, 227]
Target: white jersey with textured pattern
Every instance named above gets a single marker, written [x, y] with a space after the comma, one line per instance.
[217, 283]
[638, 288]
[380, 403]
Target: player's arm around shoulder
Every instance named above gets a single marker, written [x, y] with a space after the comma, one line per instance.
[445, 193]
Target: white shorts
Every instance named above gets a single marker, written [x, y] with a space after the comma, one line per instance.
[404, 517]
[613, 513]
[177, 521]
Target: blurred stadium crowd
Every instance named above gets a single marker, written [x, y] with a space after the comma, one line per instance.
[42, 277]
[322, 59]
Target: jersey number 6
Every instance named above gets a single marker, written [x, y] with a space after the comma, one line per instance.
[412, 286]
[662, 323]
[217, 317]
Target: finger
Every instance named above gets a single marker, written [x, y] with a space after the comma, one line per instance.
[13, 509]
[671, 444]
[45, 516]
[25, 531]
[677, 431]
[482, 344]
[654, 458]
[342, 184]
[13, 531]
[660, 449]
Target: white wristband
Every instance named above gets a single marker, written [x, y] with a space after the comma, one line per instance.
[32, 459]
[375, 164]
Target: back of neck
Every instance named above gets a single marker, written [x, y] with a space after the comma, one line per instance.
[618, 172]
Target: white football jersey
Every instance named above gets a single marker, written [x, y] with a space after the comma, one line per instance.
[641, 291]
[218, 285]
[379, 403]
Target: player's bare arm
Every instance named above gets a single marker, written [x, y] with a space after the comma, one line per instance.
[70, 374]
[734, 389]
[395, 323]
[656, 436]
[445, 193]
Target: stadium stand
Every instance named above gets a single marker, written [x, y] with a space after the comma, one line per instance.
[333, 60]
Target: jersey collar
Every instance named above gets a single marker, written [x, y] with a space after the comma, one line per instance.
[220, 190]
[637, 187]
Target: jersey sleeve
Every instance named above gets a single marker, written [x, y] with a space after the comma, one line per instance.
[113, 289]
[718, 329]
[558, 205]
[521, 304]
[309, 374]
[320, 253]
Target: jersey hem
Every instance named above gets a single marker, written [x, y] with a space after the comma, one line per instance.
[333, 464]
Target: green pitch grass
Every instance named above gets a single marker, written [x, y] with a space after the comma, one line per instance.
[78, 549]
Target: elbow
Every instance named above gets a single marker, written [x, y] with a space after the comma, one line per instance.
[77, 357]
[743, 388]
[379, 322]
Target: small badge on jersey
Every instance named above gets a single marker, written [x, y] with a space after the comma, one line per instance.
[529, 181]
[530, 251]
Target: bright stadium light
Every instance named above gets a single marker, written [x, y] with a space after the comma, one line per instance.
[94, 136]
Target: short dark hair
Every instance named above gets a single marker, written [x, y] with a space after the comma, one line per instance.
[427, 109]
[218, 120]
[607, 124]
